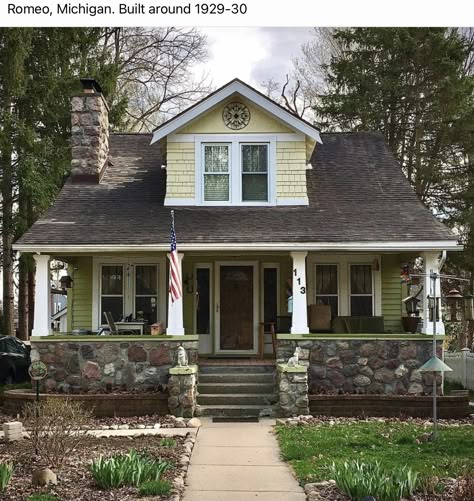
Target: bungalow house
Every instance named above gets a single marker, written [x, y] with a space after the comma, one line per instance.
[276, 223]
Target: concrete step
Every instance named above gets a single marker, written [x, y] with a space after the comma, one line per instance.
[231, 410]
[224, 378]
[236, 369]
[235, 399]
[213, 388]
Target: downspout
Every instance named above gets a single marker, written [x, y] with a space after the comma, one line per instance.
[442, 260]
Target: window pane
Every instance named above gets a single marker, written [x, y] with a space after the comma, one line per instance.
[145, 280]
[216, 188]
[203, 305]
[254, 188]
[361, 279]
[112, 280]
[216, 158]
[114, 305]
[326, 279]
[331, 301]
[361, 306]
[146, 309]
[270, 298]
[254, 158]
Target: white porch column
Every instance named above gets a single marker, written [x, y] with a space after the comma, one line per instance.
[431, 264]
[175, 310]
[299, 317]
[42, 322]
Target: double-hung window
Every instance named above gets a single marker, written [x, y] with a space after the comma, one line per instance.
[361, 291]
[254, 158]
[216, 172]
[112, 291]
[327, 287]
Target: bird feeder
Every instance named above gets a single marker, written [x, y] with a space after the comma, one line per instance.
[468, 303]
[453, 298]
[66, 282]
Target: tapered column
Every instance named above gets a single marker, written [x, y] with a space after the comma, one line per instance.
[431, 265]
[299, 318]
[42, 322]
[175, 309]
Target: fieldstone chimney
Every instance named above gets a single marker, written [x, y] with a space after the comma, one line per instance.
[90, 133]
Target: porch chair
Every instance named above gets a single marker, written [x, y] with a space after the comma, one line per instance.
[319, 318]
[266, 328]
[113, 328]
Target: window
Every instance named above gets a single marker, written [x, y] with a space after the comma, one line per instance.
[112, 291]
[361, 290]
[270, 294]
[327, 291]
[203, 301]
[146, 293]
[254, 158]
[216, 172]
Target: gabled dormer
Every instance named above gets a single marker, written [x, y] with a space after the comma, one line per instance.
[236, 147]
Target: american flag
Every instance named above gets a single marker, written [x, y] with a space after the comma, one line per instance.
[175, 289]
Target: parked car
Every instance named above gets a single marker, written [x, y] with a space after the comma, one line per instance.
[14, 360]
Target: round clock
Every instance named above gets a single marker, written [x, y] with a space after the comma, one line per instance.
[236, 116]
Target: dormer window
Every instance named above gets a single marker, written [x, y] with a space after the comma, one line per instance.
[240, 170]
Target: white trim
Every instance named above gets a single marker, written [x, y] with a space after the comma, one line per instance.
[42, 318]
[191, 138]
[231, 88]
[421, 245]
[217, 279]
[292, 201]
[97, 262]
[174, 202]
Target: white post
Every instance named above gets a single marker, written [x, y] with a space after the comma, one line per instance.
[42, 322]
[464, 353]
[431, 265]
[299, 318]
[175, 310]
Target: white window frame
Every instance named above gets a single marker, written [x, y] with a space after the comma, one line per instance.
[128, 288]
[349, 272]
[123, 295]
[204, 173]
[235, 166]
[338, 295]
[242, 173]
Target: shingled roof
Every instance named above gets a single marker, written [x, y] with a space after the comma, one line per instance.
[357, 193]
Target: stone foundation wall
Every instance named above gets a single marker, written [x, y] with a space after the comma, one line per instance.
[90, 365]
[292, 390]
[182, 389]
[360, 366]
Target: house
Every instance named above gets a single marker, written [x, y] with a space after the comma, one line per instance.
[271, 216]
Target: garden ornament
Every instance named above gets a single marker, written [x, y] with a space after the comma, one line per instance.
[294, 360]
[182, 357]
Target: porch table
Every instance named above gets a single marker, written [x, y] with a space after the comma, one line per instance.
[130, 326]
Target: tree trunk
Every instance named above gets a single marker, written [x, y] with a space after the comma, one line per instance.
[23, 303]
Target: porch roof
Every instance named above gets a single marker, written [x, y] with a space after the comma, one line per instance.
[357, 194]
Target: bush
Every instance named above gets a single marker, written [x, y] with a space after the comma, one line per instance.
[168, 442]
[155, 488]
[130, 469]
[6, 472]
[42, 496]
[359, 480]
[58, 427]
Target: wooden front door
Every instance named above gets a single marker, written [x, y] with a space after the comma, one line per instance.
[236, 315]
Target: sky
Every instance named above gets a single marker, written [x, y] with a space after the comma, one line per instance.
[252, 54]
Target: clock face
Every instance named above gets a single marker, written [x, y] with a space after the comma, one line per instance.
[236, 116]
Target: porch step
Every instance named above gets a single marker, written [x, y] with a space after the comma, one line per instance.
[231, 410]
[213, 387]
[236, 369]
[236, 378]
[236, 399]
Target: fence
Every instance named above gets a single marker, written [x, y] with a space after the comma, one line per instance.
[462, 364]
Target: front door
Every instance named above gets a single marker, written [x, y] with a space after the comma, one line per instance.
[235, 309]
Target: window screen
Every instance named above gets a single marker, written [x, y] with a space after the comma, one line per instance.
[254, 172]
[361, 290]
[327, 291]
[216, 172]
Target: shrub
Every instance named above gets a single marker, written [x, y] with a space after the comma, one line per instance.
[131, 469]
[6, 472]
[58, 427]
[168, 442]
[359, 480]
[155, 488]
[42, 496]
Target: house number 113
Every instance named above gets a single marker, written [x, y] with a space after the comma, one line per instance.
[298, 279]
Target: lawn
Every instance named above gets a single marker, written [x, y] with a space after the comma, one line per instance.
[311, 449]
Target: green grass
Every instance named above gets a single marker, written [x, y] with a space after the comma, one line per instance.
[155, 488]
[312, 449]
[449, 386]
[14, 386]
[168, 442]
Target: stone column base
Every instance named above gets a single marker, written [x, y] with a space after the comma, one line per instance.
[182, 387]
[293, 390]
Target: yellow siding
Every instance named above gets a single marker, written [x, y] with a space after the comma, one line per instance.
[391, 293]
[212, 123]
[291, 169]
[79, 298]
[180, 171]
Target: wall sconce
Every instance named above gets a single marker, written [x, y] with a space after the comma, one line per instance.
[188, 282]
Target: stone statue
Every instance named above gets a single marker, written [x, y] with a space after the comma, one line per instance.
[182, 357]
[294, 360]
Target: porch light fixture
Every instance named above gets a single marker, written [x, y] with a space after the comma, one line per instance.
[411, 305]
[453, 298]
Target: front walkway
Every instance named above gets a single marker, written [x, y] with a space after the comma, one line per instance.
[239, 462]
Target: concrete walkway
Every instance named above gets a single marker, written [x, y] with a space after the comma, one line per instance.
[239, 462]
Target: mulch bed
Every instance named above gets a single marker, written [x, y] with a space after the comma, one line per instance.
[74, 480]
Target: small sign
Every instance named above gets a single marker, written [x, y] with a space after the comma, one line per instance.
[37, 370]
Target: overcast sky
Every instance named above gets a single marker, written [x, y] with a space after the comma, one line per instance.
[252, 54]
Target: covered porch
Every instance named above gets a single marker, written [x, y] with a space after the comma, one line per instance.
[234, 300]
